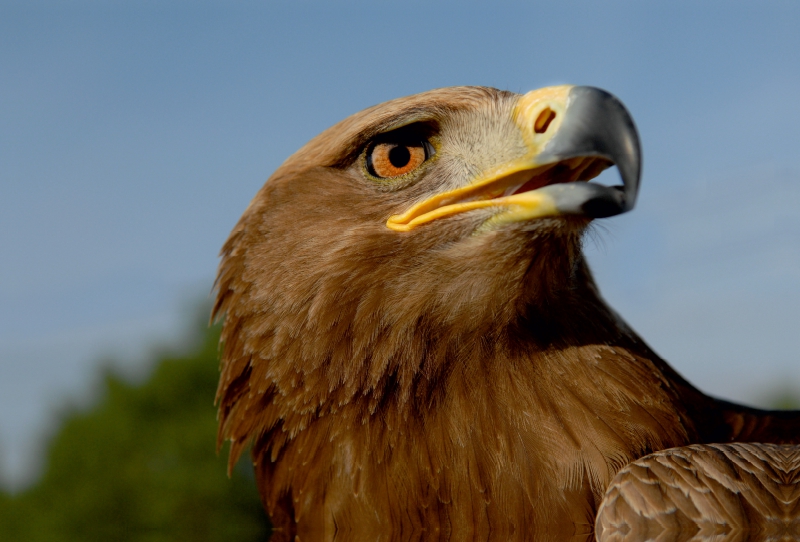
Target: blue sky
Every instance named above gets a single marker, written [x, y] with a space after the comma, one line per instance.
[133, 135]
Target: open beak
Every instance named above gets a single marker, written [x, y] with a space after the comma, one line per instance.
[571, 134]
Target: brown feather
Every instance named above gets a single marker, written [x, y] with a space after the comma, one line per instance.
[434, 384]
[706, 492]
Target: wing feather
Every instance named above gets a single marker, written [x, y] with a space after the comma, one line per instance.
[720, 492]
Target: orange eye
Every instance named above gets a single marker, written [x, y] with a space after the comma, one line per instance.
[389, 160]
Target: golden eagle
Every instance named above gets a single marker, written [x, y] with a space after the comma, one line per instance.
[413, 343]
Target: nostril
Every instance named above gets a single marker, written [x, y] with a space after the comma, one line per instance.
[543, 120]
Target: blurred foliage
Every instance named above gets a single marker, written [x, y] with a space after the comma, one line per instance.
[140, 464]
[784, 399]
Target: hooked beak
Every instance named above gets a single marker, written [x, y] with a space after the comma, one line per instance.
[571, 134]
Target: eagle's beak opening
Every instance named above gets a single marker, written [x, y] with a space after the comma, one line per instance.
[572, 134]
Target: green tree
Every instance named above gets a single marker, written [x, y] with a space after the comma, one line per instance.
[140, 464]
[784, 398]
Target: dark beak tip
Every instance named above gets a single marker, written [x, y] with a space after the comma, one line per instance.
[599, 208]
[603, 126]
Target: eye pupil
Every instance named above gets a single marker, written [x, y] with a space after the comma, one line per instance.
[390, 159]
[399, 156]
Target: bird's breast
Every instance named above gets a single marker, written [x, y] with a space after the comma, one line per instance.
[521, 448]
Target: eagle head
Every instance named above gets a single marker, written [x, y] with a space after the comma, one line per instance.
[400, 265]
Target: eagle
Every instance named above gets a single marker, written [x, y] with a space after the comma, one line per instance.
[413, 345]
